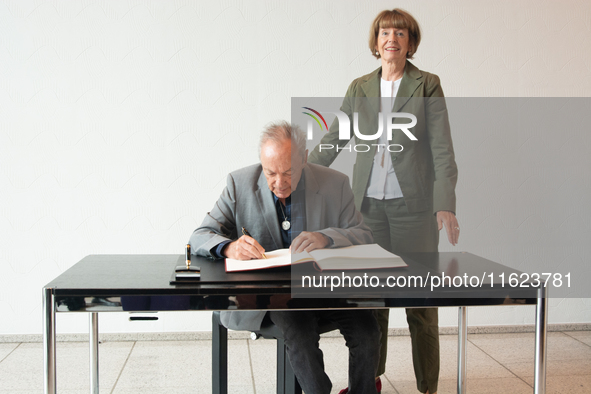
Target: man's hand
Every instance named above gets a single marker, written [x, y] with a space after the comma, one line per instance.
[244, 248]
[308, 242]
[451, 225]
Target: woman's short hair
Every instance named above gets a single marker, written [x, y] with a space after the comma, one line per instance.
[398, 19]
[280, 131]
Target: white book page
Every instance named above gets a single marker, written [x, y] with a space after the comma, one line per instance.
[360, 256]
[356, 257]
[276, 258]
[371, 251]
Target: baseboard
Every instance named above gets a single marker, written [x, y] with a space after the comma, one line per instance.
[206, 335]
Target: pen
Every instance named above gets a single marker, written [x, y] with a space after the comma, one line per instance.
[188, 256]
[245, 232]
[188, 271]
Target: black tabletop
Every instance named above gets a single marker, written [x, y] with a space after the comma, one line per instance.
[115, 275]
[120, 275]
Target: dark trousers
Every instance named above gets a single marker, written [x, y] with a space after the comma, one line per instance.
[362, 336]
[397, 230]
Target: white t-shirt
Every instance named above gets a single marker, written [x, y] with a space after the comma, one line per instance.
[383, 183]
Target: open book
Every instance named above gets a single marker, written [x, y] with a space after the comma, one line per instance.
[355, 257]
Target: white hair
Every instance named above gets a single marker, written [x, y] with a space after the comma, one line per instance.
[280, 131]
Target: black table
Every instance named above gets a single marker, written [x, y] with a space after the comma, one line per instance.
[129, 283]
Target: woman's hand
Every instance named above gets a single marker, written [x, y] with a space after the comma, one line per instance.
[451, 225]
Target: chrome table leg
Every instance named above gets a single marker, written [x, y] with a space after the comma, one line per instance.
[94, 353]
[541, 344]
[462, 349]
[49, 341]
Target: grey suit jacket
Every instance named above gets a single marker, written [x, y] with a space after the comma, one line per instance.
[247, 202]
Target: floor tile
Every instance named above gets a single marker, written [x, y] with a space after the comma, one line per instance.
[582, 336]
[387, 386]
[159, 390]
[166, 365]
[476, 386]
[185, 366]
[60, 391]
[263, 356]
[568, 384]
[266, 388]
[520, 348]
[76, 391]
[182, 366]
[554, 368]
[399, 361]
[6, 349]
[399, 366]
[240, 378]
[23, 369]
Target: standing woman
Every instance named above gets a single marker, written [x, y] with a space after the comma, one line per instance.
[405, 197]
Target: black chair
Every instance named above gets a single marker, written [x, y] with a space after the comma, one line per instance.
[286, 380]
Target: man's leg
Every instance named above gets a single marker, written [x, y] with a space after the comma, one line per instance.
[300, 331]
[362, 336]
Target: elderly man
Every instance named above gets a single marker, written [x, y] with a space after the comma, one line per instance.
[276, 200]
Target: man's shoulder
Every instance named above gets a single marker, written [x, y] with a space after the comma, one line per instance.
[244, 181]
[247, 174]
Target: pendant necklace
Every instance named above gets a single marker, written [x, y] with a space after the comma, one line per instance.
[285, 224]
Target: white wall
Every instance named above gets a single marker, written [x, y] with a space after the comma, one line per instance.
[120, 119]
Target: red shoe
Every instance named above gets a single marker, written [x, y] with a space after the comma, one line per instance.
[378, 387]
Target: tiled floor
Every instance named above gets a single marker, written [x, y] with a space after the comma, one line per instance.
[497, 363]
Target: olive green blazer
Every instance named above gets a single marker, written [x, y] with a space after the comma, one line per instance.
[426, 168]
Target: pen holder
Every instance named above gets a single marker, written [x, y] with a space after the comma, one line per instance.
[182, 273]
[183, 268]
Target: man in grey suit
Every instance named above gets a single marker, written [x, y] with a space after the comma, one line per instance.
[259, 198]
